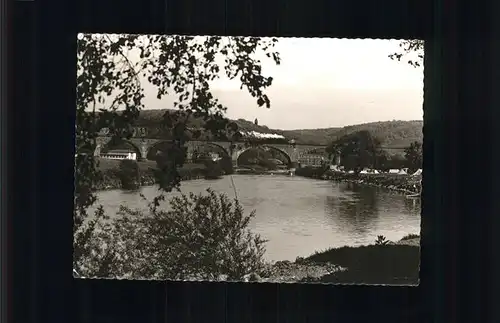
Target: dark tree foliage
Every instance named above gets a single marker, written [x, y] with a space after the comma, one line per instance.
[226, 163]
[110, 93]
[413, 155]
[357, 150]
[213, 169]
[129, 174]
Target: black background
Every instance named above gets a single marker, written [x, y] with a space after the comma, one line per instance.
[459, 163]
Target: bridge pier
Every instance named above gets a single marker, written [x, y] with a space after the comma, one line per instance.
[144, 152]
[97, 151]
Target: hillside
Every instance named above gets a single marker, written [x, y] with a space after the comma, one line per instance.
[390, 133]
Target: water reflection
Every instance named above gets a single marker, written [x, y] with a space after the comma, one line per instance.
[412, 205]
[356, 208]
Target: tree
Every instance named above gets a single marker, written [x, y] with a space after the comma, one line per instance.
[129, 174]
[357, 150]
[110, 95]
[213, 169]
[413, 49]
[226, 163]
[413, 155]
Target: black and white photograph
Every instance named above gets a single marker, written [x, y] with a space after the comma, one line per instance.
[248, 159]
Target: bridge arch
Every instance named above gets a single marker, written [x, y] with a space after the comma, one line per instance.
[283, 153]
[191, 146]
[198, 148]
[123, 144]
[155, 148]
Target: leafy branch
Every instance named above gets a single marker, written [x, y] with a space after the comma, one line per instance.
[410, 48]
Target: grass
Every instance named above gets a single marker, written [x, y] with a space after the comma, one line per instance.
[373, 264]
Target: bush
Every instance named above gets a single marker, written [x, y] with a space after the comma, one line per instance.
[192, 171]
[128, 174]
[213, 169]
[204, 237]
[267, 164]
[199, 237]
[226, 164]
[117, 248]
[381, 241]
[308, 171]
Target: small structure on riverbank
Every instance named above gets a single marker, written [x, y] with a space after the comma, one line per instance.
[369, 171]
[396, 171]
[119, 155]
[417, 173]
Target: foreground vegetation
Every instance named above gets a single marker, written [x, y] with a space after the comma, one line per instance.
[194, 237]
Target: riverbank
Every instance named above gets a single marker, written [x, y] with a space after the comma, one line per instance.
[111, 180]
[259, 170]
[395, 263]
[401, 183]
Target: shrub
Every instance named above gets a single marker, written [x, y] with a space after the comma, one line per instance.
[198, 237]
[116, 248]
[213, 169]
[308, 171]
[192, 171]
[267, 164]
[204, 237]
[226, 164]
[128, 174]
[381, 241]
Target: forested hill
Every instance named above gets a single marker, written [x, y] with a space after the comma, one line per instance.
[390, 133]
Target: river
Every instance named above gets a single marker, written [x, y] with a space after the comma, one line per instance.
[300, 215]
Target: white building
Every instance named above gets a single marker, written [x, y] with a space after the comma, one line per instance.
[119, 155]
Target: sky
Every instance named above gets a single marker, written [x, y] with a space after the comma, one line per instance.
[325, 82]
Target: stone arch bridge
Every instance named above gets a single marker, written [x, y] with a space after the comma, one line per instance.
[295, 153]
